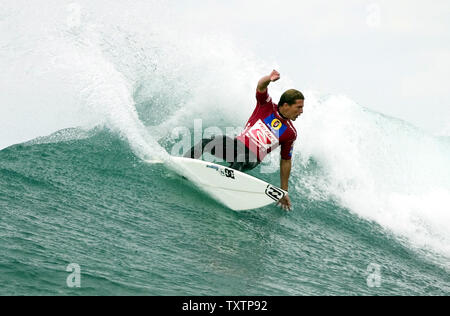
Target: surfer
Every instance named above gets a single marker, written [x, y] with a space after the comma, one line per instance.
[269, 126]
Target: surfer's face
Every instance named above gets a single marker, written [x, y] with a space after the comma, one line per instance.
[293, 111]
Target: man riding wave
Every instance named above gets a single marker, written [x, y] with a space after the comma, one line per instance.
[268, 127]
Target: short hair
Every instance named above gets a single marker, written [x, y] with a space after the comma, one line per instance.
[290, 96]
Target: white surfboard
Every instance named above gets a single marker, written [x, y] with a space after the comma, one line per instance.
[232, 188]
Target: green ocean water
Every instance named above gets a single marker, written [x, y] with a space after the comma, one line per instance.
[139, 229]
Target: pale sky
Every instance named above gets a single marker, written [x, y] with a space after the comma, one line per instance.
[390, 56]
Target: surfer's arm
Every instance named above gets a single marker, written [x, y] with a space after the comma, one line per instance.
[264, 82]
[285, 172]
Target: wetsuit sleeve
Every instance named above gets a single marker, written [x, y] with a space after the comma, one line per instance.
[263, 98]
[286, 149]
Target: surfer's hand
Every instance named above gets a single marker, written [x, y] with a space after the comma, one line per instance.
[274, 75]
[285, 203]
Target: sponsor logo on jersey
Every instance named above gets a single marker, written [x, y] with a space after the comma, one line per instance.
[275, 125]
[262, 135]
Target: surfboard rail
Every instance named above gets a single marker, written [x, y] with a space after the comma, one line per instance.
[232, 188]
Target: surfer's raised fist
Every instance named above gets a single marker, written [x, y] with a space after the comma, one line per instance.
[274, 75]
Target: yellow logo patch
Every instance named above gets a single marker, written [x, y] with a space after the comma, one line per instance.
[276, 124]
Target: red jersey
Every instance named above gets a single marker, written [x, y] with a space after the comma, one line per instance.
[266, 129]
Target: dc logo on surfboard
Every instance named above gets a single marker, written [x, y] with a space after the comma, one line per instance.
[274, 193]
[223, 171]
[228, 173]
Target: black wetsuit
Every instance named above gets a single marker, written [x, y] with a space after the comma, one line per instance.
[231, 150]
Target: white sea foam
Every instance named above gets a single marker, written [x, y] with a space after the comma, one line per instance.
[381, 168]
